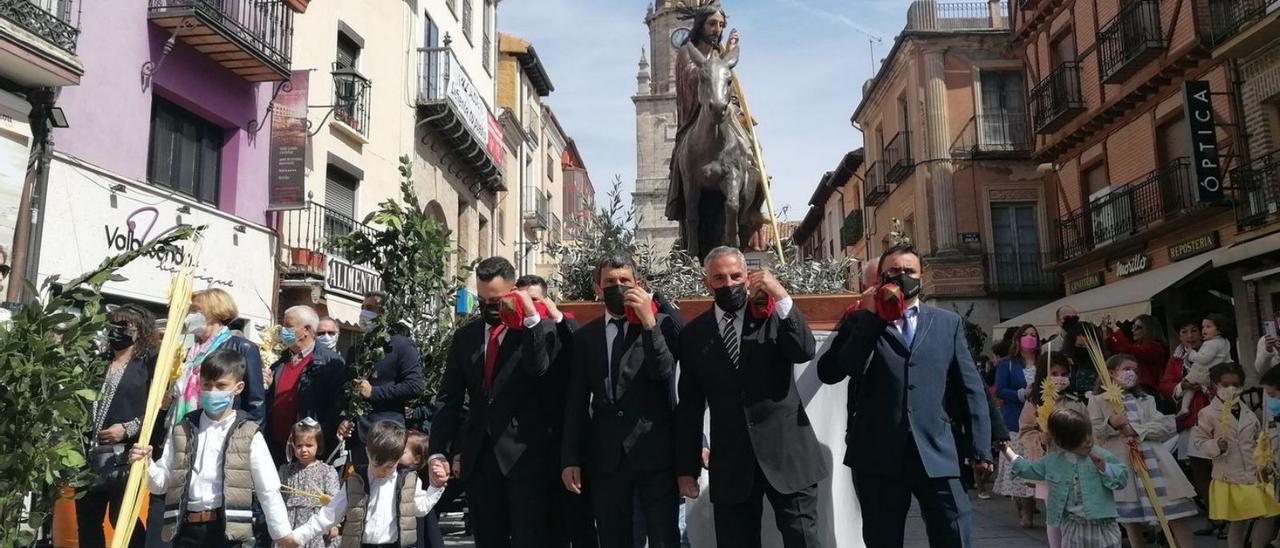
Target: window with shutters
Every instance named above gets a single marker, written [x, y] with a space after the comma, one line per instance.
[185, 152]
[340, 204]
[1016, 261]
[348, 52]
[1002, 112]
[487, 40]
[466, 20]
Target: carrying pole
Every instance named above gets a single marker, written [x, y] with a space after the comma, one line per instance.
[764, 175]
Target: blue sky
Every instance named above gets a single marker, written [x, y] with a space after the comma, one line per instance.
[803, 65]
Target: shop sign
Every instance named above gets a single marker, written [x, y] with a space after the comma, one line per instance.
[350, 280]
[86, 221]
[970, 237]
[1132, 265]
[286, 182]
[1198, 105]
[1085, 283]
[1194, 246]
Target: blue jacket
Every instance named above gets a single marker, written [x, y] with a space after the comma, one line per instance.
[397, 381]
[1095, 487]
[900, 395]
[1009, 380]
[252, 400]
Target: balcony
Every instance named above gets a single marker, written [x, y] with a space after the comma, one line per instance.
[351, 93]
[1156, 198]
[555, 234]
[38, 42]
[537, 209]
[926, 15]
[1056, 99]
[1130, 40]
[1257, 192]
[898, 162]
[307, 236]
[532, 122]
[998, 135]
[874, 189]
[452, 107]
[252, 38]
[1021, 274]
[1241, 27]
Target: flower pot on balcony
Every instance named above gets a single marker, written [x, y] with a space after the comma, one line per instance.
[308, 260]
[823, 312]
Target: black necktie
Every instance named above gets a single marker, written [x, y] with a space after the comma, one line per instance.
[730, 335]
[615, 356]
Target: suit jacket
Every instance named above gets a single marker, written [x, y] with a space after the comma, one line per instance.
[900, 394]
[638, 422]
[397, 381]
[757, 416]
[318, 389]
[556, 381]
[512, 418]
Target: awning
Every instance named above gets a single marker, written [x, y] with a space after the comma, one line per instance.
[1123, 299]
[1247, 250]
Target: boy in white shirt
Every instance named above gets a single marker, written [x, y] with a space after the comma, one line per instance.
[214, 462]
[368, 503]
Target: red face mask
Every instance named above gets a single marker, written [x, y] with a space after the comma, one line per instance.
[762, 306]
[633, 319]
[512, 311]
[890, 303]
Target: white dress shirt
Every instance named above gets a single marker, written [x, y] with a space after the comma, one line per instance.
[204, 489]
[782, 308]
[380, 525]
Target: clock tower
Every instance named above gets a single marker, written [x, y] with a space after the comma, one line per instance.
[656, 124]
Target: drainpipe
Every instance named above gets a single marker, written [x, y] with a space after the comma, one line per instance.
[25, 262]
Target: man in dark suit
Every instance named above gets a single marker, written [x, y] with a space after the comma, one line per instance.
[304, 382]
[618, 413]
[762, 444]
[505, 441]
[902, 376]
[397, 379]
[571, 523]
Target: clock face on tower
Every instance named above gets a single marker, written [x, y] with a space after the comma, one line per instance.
[678, 37]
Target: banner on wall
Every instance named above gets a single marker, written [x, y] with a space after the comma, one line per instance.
[287, 185]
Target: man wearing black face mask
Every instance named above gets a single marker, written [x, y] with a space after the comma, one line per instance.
[507, 457]
[618, 413]
[737, 359]
[910, 374]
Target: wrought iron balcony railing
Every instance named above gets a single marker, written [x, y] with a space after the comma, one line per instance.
[452, 104]
[994, 135]
[1162, 195]
[1257, 191]
[1056, 99]
[874, 189]
[957, 16]
[51, 20]
[1231, 17]
[1130, 40]
[253, 38]
[898, 162]
[1022, 273]
[351, 93]
[308, 236]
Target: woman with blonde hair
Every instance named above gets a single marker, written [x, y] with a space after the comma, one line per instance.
[212, 311]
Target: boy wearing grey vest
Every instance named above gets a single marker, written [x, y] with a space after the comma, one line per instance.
[381, 502]
[214, 462]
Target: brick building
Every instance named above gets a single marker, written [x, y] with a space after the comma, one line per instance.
[948, 145]
[822, 233]
[1136, 108]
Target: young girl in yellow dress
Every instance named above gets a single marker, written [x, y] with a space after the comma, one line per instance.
[1228, 432]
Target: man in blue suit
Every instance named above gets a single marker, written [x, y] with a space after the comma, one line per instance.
[902, 374]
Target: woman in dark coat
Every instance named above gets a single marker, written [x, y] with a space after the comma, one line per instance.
[117, 420]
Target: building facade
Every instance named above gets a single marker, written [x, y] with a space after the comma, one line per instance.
[522, 83]
[656, 124]
[1137, 125]
[416, 82]
[948, 146]
[184, 141]
[579, 192]
[822, 233]
[38, 45]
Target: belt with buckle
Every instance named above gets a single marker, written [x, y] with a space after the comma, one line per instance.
[205, 516]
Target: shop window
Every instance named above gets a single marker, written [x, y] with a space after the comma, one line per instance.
[185, 152]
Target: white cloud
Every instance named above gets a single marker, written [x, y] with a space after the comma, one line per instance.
[804, 62]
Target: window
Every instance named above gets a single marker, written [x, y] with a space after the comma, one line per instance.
[466, 19]
[1002, 111]
[502, 225]
[1016, 243]
[340, 204]
[348, 52]
[1095, 179]
[1063, 49]
[185, 152]
[487, 43]
[430, 32]
[551, 168]
[903, 119]
[453, 7]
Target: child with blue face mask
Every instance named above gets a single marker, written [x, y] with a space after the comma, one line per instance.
[215, 461]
